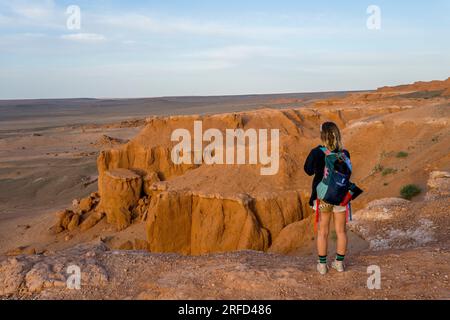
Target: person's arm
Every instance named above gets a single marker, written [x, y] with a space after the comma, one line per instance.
[309, 166]
[347, 153]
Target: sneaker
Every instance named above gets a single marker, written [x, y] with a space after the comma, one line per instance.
[322, 268]
[338, 266]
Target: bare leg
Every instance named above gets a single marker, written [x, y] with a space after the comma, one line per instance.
[322, 234]
[341, 232]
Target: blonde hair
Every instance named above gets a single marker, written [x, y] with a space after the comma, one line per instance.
[331, 136]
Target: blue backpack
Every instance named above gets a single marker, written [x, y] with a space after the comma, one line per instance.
[335, 187]
[335, 183]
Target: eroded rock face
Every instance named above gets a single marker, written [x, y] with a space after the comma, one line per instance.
[187, 215]
[225, 225]
[191, 223]
[398, 223]
[155, 161]
[22, 250]
[149, 178]
[277, 210]
[11, 275]
[169, 223]
[438, 184]
[37, 273]
[64, 219]
[294, 236]
[83, 215]
[393, 223]
[121, 189]
[91, 220]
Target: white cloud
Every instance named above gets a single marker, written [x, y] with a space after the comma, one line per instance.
[142, 23]
[30, 14]
[37, 9]
[84, 37]
[241, 52]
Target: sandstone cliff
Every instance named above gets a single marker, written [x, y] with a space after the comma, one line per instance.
[196, 208]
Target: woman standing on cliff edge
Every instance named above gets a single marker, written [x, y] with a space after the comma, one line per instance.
[331, 167]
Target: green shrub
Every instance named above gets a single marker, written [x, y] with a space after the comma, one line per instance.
[409, 191]
[387, 171]
[378, 168]
[402, 154]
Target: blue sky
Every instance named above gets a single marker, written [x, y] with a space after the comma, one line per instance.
[166, 48]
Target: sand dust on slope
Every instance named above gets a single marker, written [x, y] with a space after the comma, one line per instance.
[39, 173]
[234, 275]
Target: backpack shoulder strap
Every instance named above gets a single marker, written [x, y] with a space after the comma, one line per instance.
[326, 151]
[346, 159]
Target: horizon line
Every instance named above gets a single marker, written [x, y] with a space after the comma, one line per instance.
[193, 96]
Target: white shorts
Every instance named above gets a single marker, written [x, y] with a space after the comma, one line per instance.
[325, 207]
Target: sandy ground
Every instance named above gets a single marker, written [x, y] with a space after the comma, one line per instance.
[421, 273]
[39, 174]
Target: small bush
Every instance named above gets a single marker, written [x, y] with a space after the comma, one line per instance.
[409, 191]
[378, 168]
[387, 171]
[402, 154]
